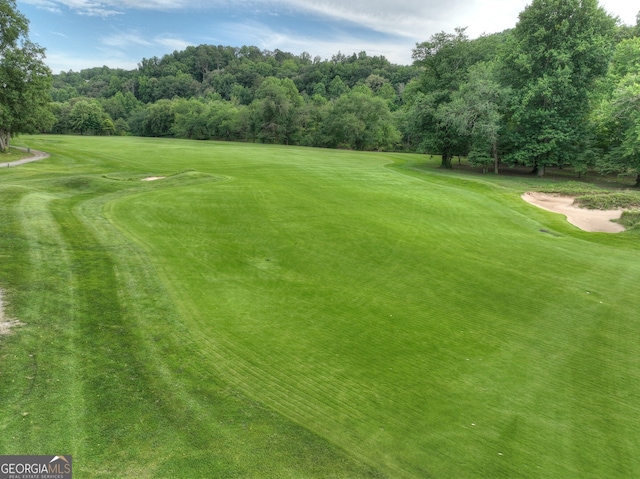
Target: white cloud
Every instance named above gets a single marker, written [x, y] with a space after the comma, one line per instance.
[401, 17]
[125, 40]
[422, 18]
[171, 42]
[409, 18]
[116, 51]
[112, 7]
[47, 5]
[90, 7]
[62, 62]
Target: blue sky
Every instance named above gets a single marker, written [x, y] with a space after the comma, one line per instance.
[81, 34]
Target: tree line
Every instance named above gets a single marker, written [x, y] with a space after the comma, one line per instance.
[560, 89]
[241, 94]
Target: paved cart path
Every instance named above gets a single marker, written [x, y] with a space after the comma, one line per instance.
[35, 156]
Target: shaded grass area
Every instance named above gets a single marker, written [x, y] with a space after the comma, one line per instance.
[291, 312]
[12, 154]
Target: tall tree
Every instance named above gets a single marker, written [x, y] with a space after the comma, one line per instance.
[617, 118]
[477, 112]
[25, 81]
[557, 50]
[445, 59]
[13, 25]
[622, 117]
[428, 131]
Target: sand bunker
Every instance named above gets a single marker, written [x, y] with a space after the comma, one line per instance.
[594, 221]
[153, 178]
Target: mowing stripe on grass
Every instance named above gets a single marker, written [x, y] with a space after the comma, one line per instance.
[420, 322]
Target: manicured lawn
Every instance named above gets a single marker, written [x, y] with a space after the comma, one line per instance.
[288, 312]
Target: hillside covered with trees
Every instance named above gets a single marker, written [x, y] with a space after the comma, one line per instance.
[246, 94]
[560, 89]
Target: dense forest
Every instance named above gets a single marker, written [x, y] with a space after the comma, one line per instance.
[562, 88]
[246, 94]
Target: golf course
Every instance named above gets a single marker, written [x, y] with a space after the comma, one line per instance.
[262, 311]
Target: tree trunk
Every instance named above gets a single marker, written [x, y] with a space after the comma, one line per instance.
[541, 171]
[5, 138]
[637, 185]
[446, 161]
[495, 158]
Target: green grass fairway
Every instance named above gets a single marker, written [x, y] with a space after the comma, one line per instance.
[272, 312]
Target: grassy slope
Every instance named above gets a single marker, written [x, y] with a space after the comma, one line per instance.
[418, 323]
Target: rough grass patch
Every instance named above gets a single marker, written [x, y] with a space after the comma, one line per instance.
[572, 188]
[593, 197]
[609, 201]
[630, 219]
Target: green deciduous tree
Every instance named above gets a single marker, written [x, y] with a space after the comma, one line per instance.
[361, 121]
[87, 116]
[623, 116]
[13, 25]
[556, 52]
[224, 120]
[121, 127]
[279, 106]
[191, 118]
[337, 87]
[159, 118]
[626, 59]
[25, 81]
[476, 111]
[425, 130]
[120, 105]
[617, 119]
[445, 59]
